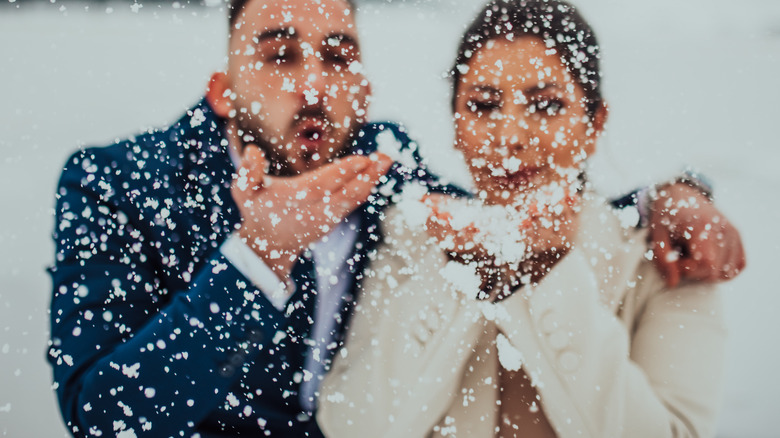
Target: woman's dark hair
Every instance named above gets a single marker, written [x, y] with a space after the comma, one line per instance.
[236, 6]
[555, 22]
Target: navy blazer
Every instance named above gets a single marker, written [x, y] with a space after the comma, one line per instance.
[152, 328]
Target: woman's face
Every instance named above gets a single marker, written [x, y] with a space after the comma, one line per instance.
[521, 119]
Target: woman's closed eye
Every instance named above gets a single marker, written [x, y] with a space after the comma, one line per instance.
[550, 106]
[483, 106]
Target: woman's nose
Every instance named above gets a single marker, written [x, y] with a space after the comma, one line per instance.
[512, 132]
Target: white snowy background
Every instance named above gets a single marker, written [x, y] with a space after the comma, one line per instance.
[688, 81]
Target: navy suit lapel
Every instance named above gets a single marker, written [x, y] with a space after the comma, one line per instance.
[207, 172]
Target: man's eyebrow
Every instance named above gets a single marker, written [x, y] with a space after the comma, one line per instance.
[275, 34]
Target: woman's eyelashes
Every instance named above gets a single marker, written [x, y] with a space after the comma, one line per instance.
[485, 107]
[549, 106]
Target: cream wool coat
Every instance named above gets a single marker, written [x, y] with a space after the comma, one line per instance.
[611, 352]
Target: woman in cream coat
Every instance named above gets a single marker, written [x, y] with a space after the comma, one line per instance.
[592, 344]
[610, 351]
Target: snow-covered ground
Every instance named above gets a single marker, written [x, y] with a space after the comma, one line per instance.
[688, 82]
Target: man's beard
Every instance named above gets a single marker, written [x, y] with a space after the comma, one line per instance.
[251, 131]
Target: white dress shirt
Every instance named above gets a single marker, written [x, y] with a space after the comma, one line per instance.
[330, 259]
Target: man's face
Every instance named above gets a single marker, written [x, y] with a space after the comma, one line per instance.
[295, 81]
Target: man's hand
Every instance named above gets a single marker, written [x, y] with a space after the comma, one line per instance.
[282, 216]
[691, 239]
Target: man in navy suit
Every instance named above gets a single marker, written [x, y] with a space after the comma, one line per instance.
[204, 273]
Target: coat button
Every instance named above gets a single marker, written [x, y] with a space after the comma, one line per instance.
[569, 361]
[558, 339]
[548, 323]
[421, 332]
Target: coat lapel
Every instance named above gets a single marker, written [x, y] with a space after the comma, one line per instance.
[207, 174]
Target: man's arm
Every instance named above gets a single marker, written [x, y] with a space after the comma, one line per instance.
[124, 356]
[691, 239]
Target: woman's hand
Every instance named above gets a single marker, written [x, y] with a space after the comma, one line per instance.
[461, 244]
[554, 229]
[547, 232]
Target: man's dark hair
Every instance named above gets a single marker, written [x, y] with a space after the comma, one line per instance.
[555, 22]
[236, 6]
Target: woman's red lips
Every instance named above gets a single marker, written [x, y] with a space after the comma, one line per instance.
[521, 176]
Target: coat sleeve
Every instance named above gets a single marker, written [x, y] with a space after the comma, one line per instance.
[409, 340]
[658, 377]
[126, 354]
